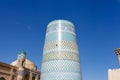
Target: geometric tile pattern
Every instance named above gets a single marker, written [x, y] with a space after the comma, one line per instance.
[60, 50]
[61, 56]
[64, 36]
[61, 66]
[63, 28]
[61, 45]
[61, 76]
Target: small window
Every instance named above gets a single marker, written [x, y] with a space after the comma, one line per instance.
[56, 44]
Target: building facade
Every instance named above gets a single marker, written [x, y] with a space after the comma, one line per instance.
[8, 72]
[20, 69]
[61, 56]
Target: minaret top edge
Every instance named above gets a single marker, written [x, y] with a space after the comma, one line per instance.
[60, 21]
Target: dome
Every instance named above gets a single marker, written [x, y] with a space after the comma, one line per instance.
[28, 64]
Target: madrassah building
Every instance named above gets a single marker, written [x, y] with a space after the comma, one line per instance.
[21, 69]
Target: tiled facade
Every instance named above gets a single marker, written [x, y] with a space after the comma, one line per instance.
[61, 55]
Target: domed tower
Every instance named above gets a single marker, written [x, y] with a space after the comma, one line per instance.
[26, 68]
[21, 62]
[61, 55]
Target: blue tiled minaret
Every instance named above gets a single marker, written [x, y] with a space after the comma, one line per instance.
[60, 56]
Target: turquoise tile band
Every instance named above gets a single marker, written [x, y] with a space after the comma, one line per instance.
[60, 56]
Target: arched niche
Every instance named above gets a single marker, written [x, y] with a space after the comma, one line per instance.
[2, 78]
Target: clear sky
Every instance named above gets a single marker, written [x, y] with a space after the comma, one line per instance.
[23, 25]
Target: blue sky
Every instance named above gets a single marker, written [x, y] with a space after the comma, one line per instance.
[23, 25]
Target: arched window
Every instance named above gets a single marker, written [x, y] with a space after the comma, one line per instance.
[2, 78]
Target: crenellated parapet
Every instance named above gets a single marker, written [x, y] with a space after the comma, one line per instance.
[114, 69]
[114, 74]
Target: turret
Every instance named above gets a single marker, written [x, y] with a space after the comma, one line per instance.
[21, 60]
[117, 52]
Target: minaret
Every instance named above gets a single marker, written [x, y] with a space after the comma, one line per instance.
[117, 52]
[61, 55]
[21, 61]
